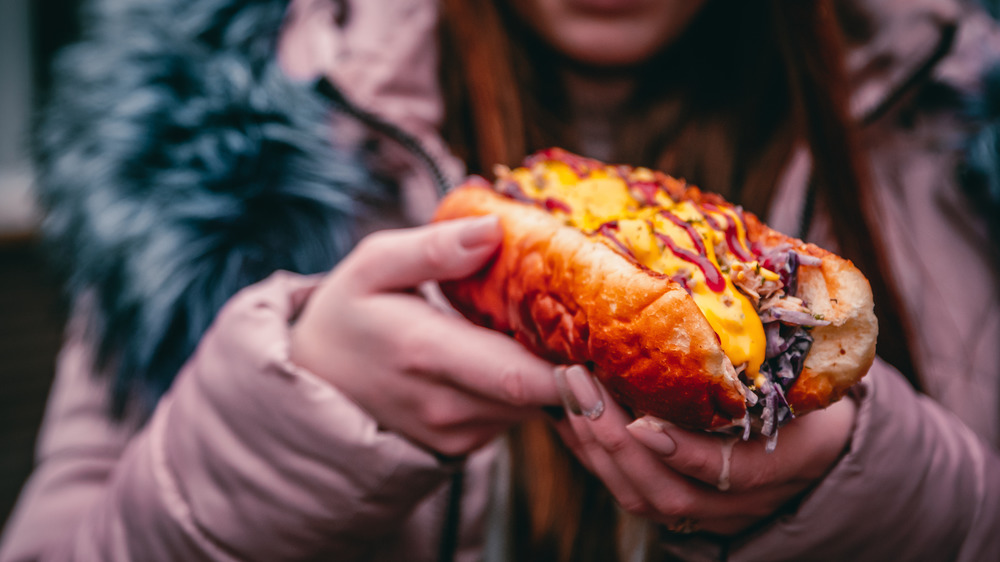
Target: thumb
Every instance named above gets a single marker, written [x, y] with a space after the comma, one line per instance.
[401, 259]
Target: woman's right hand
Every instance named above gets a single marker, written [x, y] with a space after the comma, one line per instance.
[423, 372]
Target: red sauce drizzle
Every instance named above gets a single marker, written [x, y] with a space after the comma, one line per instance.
[512, 189]
[683, 281]
[713, 277]
[712, 222]
[608, 230]
[732, 234]
[699, 244]
[580, 165]
[553, 204]
[646, 191]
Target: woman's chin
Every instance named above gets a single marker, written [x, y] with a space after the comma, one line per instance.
[612, 51]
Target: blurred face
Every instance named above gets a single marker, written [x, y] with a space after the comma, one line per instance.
[608, 32]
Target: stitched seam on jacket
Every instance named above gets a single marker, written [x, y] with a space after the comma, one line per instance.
[175, 502]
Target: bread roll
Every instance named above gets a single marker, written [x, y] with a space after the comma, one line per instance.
[686, 307]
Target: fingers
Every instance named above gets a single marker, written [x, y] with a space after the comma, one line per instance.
[579, 391]
[449, 421]
[484, 362]
[674, 475]
[597, 461]
[806, 449]
[705, 457]
[402, 259]
[643, 485]
[635, 476]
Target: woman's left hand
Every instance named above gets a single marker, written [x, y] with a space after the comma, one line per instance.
[691, 481]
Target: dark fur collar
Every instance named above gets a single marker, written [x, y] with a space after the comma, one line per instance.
[180, 165]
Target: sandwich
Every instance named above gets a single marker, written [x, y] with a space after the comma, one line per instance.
[685, 306]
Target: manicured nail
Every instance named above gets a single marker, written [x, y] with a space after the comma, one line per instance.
[565, 394]
[480, 232]
[653, 434]
[579, 391]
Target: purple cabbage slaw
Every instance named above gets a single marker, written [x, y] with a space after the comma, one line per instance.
[788, 343]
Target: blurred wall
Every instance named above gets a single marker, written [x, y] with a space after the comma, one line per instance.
[32, 311]
[17, 214]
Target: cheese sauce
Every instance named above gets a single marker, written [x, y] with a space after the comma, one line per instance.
[692, 244]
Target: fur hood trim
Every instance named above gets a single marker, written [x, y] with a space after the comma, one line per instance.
[180, 165]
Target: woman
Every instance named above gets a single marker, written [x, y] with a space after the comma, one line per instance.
[347, 416]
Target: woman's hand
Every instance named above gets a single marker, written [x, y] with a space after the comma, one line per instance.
[423, 372]
[692, 481]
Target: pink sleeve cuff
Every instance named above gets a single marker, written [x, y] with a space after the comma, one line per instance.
[909, 488]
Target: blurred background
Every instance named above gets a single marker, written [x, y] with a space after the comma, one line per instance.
[31, 308]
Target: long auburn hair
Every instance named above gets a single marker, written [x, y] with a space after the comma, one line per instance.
[724, 106]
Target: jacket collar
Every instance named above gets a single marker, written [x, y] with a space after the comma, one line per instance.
[893, 46]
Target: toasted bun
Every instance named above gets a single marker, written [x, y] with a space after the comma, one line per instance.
[843, 351]
[571, 297]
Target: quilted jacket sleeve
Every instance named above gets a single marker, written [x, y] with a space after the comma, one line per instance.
[247, 457]
[916, 484]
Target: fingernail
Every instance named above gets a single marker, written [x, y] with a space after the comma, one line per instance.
[579, 391]
[653, 434]
[480, 232]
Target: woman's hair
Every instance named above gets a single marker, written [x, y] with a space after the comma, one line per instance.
[724, 106]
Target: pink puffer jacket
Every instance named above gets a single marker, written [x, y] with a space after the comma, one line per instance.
[250, 458]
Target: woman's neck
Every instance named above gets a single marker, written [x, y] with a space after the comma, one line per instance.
[597, 103]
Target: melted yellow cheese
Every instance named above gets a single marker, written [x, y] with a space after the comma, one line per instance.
[602, 196]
